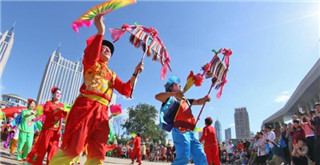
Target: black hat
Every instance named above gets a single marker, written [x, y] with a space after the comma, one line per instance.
[269, 126]
[296, 121]
[109, 45]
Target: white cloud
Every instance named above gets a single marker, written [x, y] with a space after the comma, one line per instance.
[231, 125]
[283, 97]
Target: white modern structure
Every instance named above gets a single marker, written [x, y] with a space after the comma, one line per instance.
[241, 119]
[6, 43]
[217, 126]
[304, 97]
[62, 73]
[12, 100]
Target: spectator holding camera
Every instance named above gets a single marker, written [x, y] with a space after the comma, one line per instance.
[270, 136]
[298, 132]
[309, 131]
[316, 123]
[299, 153]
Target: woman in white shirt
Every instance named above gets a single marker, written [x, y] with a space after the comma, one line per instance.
[261, 159]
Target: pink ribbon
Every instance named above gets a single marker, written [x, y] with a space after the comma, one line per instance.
[227, 53]
[77, 24]
[117, 33]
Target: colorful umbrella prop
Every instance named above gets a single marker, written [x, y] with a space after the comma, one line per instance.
[115, 109]
[218, 72]
[148, 40]
[86, 19]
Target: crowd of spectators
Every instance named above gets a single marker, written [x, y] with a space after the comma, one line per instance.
[295, 143]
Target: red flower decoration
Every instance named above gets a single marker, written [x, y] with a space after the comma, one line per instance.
[153, 32]
[29, 100]
[125, 27]
[226, 52]
[198, 79]
[54, 89]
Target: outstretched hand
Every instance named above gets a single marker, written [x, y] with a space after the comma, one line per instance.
[98, 22]
[207, 98]
[139, 68]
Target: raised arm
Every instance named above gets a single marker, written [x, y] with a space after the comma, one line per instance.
[98, 22]
[162, 97]
[93, 49]
[139, 68]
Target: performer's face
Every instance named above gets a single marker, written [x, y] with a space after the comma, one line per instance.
[32, 105]
[175, 87]
[57, 95]
[317, 108]
[105, 53]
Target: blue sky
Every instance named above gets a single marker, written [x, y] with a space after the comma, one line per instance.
[274, 45]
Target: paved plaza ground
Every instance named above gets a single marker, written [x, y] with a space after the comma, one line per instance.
[6, 158]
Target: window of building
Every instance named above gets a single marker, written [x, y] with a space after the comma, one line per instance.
[7, 39]
[79, 68]
[15, 100]
[22, 102]
[6, 98]
[55, 58]
[11, 104]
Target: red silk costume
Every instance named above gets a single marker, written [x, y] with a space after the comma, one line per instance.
[210, 145]
[87, 122]
[184, 119]
[136, 149]
[48, 140]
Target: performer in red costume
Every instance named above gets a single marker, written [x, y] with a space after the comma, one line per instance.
[136, 149]
[210, 143]
[88, 121]
[48, 141]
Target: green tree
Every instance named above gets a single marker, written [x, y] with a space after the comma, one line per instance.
[142, 119]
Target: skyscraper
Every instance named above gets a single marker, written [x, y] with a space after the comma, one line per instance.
[6, 43]
[217, 126]
[227, 133]
[241, 118]
[62, 73]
